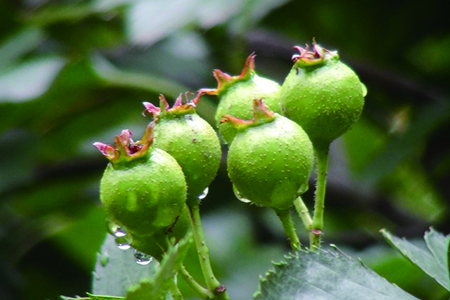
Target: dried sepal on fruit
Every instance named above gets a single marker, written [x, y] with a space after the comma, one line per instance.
[321, 94]
[270, 159]
[236, 94]
[143, 188]
[189, 139]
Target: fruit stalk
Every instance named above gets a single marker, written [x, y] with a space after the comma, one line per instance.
[303, 212]
[201, 291]
[319, 206]
[212, 283]
[289, 229]
[175, 291]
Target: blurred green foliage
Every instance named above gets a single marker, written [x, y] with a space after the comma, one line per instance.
[76, 72]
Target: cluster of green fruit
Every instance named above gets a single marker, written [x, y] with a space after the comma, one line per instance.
[152, 187]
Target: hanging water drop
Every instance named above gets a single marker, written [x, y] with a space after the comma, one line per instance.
[142, 258]
[122, 243]
[203, 194]
[116, 230]
[239, 196]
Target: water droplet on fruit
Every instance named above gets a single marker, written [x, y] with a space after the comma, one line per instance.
[122, 243]
[123, 246]
[203, 194]
[239, 196]
[116, 230]
[142, 258]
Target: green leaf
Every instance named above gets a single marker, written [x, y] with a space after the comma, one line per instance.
[29, 80]
[156, 288]
[150, 21]
[116, 270]
[325, 275]
[433, 261]
[19, 44]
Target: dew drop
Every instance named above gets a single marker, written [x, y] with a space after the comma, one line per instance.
[122, 243]
[116, 230]
[239, 196]
[142, 258]
[203, 194]
[123, 246]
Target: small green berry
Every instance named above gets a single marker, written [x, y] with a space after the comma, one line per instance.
[236, 94]
[270, 159]
[143, 188]
[182, 133]
[322, 95]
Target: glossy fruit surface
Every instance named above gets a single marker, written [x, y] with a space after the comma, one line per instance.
[182, 133]
[236, 94]
[270, 159]
[143, 188]
[156, 244]
[322, 95]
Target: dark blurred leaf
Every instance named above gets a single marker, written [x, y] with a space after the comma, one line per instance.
[399, 148]
[157, 288]
[19, 44]
[116, 270]
[30, 79]
[325, 275]
[83, 238]
[69, 13]
[93, 297]
[146, 82]
[433, 261]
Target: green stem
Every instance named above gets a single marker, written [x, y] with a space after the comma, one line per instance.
[201, 291]
[212, 283]
[303, 212]
[285, 218]
[175, 291]
[319, 206]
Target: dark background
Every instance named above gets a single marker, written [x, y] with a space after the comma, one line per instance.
[76, 72]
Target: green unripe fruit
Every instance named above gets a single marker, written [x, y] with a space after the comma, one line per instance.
[143, 188]
[322, 95]
[236, 94]
[270, 159]
[182, 133]
[156, 243]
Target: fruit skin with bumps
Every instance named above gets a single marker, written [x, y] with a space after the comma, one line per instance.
[322, 95]
[156, 244]
[236, 94]
[182, 133]
[270, 159]
[143, 188]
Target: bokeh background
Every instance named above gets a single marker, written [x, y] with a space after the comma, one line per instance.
[76, 72]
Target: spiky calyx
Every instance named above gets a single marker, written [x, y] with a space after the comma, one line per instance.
[191, 141]
[322, 95]
[226, 81]
[261, 115]
[236, 94]
[178, 109]
[126, 149]
[319, 56]
[270, 163]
